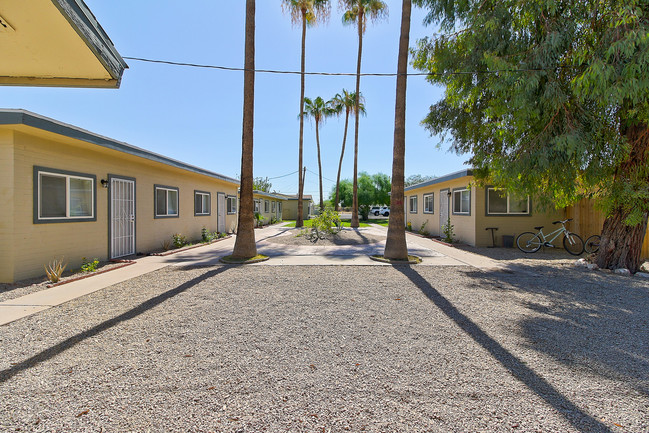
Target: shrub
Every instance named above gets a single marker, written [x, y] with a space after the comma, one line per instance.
[178, 240]
[422, 229]
[166, 245]
[89, 266]
[259, 218]
[327, 222]
[409, 226]
[54, 270]
[447, 229]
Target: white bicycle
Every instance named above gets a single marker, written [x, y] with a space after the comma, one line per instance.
[529, 242]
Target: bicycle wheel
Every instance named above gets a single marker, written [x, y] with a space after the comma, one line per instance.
[573, 243]
[528, 242]
[592, 244]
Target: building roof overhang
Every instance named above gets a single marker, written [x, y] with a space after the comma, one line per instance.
[56, 43]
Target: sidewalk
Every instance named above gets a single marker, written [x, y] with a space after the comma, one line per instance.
[433, 254]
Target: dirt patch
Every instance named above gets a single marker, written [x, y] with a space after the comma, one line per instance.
[344, 237]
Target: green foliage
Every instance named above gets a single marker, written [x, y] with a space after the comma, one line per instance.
[261, 184]
[422, 229]
[372, 190]
[409, 226]
[259, 218]
[548, 97]
[54, 269]
[415, 179]
[327, 222]
[178, 240]
[447, 230]
[89, 266]
[207, 236]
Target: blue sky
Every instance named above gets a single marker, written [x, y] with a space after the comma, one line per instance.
[194, 115]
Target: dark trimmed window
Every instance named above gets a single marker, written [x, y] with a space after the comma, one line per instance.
[462, 201]
[232, 204]
[63, 196]
[429, 200]
[500, 202]
[413, 204]
[166, 201]
[202, 201]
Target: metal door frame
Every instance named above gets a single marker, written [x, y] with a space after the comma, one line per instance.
[110, 216]
[221, 210]
[444, 194]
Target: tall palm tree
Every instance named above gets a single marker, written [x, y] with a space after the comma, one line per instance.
[319, 110]
[345, 101]
[306, 13]
[356, 13]
[395, 246]
[245, 246]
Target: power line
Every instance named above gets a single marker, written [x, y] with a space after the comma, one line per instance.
[313, 172]
[284, 175]
[345, 74]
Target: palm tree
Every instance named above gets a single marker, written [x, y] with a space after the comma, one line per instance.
[319, 110]
[345, 101]
[395, 246]
[245, 246]
[356, 13]
[306, 13]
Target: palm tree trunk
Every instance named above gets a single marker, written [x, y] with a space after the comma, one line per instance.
[300, 187]
[317, 141]
[355, 223]
[245, 246]
[395, 246]
[340, 164]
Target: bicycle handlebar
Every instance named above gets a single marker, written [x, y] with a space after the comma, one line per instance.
[562, 222]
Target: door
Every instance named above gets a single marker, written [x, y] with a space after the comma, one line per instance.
[122, 217]
[444, 199]
[220, 212]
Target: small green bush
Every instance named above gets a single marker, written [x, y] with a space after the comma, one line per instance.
[327, 222]
[409, 226]
[422, 229]
[447, 229]
[54, 269]
[89, 266]
[178, 240]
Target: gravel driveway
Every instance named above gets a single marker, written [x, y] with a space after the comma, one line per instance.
[335, 348]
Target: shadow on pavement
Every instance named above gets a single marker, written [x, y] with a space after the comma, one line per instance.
[562, 404]
[64, 345]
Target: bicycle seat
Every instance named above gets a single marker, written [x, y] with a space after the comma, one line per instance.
[538, 228]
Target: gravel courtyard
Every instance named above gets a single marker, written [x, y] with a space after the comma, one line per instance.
[335, 348]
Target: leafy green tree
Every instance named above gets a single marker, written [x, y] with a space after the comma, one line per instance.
[552, 99]
[318, 110]
[395, 245]
[306, 13]
[414, 179]
[372, 190]
[244, 245]
[262, 184]
[345, 101]
[357, 13]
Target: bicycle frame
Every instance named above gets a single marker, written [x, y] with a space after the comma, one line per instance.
[555, 234]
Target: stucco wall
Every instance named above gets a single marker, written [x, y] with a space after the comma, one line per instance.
[36, 244]
[270, 214]
[7, 200]
[289, 212]
[463, 225]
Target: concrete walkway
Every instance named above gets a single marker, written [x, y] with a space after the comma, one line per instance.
[432, 253]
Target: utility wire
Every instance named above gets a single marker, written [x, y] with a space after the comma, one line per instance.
[284, 175]
[346, 74]
[313, 172]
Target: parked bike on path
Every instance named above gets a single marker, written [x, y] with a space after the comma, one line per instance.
[529, 242]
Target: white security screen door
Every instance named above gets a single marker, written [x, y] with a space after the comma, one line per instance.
[220, 212]
[122, 217]
[443, 208]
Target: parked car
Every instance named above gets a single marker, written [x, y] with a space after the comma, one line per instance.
[375, 210]
[385, 211]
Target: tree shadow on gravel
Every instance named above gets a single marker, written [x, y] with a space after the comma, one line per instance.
[579, 419]
[68, 343]
[591, 319]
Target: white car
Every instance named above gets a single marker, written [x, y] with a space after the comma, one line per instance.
[375, 210]
[385, 211]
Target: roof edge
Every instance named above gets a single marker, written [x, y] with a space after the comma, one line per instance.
[445, 178]
[27, 118]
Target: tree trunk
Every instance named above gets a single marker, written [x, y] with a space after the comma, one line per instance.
[245, 246]
[300, 187]
[395, 246]
[317, 141]
[621, 245]
[340, 164]
[355, 223]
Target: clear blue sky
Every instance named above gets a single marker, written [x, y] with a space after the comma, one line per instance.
[194, 115]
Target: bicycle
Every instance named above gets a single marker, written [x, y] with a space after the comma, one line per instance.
[592, 244]
[529, 242]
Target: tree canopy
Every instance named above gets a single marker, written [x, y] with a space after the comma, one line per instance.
[550, 97]
[414, 179]
[372, 190]
[262, 184]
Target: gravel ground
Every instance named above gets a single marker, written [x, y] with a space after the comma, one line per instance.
[381, 349]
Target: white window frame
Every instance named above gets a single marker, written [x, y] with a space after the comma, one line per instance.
[256, 205]
[203, 212]
[431, 208]
[457, 194]
[67, 175]
[168, 189]
[508, 212]
[412, 199]
[273, 206]
[266, 206]
[231, 204]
